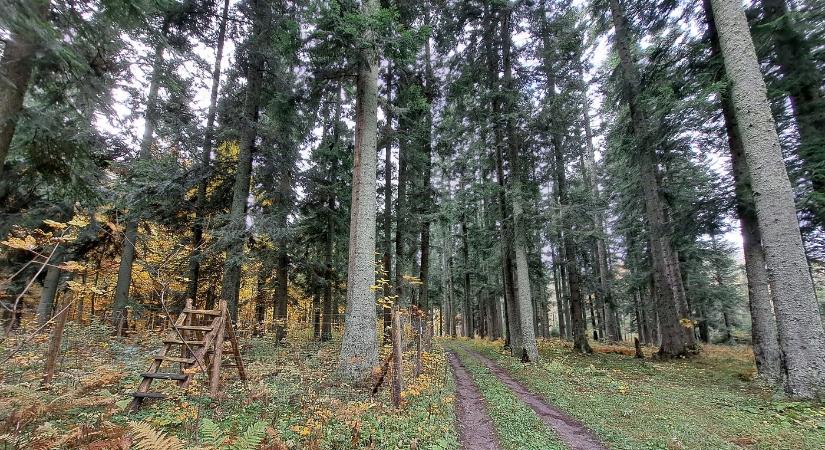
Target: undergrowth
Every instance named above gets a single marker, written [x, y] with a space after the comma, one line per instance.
[292, 400]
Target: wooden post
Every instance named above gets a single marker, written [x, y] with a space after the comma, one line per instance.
[418, 337]
[398, 367]
[217, 355]
[54, 344]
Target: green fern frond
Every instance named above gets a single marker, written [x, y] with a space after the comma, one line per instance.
[252, 438]
[211, 434]
[148, 438]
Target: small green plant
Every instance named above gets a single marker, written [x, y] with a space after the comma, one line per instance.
[213, 437]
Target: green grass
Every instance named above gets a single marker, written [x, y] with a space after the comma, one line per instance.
[517, 426]
[704, 403]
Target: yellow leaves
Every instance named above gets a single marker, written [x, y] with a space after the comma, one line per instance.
[687, 323]
[229, 150]
[26, 243]
[78, 221]
[81, 288]
[301, 430]
[413, 280]
[55, 225]
[72, 266]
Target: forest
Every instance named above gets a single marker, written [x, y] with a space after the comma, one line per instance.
[412, 224]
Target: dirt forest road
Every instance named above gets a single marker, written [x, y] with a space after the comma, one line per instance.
[475, 427]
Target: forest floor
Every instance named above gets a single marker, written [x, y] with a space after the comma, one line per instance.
[707, 402]
[294, 400]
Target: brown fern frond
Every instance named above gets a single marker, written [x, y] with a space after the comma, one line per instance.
[148, 438]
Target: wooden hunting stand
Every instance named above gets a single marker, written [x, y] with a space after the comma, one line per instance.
[200, 334]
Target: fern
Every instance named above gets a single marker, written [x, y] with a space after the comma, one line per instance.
[252, 438]
[211, 435]
[148, 438]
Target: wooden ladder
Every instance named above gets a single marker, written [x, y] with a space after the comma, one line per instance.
[200, 335]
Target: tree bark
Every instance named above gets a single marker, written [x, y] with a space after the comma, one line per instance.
[803, 81]
[359, 347]
[49, 292]
[15, 72]
[206, 161]
[677, 333]
[801, 337]
[763, 323]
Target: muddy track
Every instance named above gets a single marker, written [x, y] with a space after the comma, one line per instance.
[569, 430]
[475, 427]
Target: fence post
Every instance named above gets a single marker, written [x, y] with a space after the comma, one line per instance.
[398, 366]
[54, 342]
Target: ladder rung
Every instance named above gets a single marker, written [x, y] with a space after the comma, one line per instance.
[164, 376]
[194, 327]
[148, 395]
[178, 341]
[176, 359]
[208, 312]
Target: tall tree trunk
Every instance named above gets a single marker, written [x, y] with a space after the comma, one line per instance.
[445, 283]
[465, 256]
[387, 257]
[674, 316]
[329, 309]
[578, 326]
[281, 294]
[50, 283]
[15, 72]
[525, 302]
[316, 315]
[359, 347]
[260, 301]
[329, 272]
[559, 294]
[401, 215]
[426, 221]
[236, 228]
[206, 161]
[763, 329]
[127, 255]
[511, 316]
[803, 82]
[801, 336]
[603, 293]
